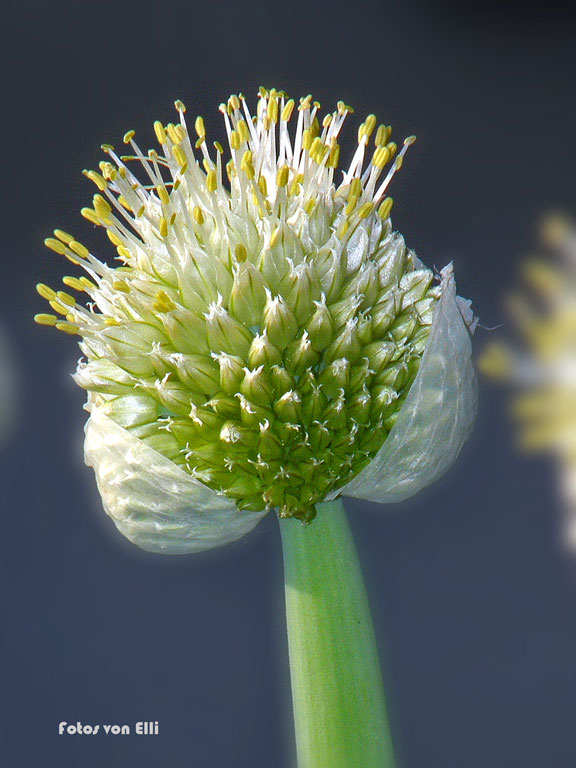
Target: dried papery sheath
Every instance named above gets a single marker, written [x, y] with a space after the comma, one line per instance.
[153, 502]
[440, 410]
[268, 340]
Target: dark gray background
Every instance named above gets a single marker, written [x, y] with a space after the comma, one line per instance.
[474, 600]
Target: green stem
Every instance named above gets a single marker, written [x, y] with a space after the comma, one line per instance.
[339, 709]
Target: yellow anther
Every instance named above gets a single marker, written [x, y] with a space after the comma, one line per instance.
[63, 236]
[409, 140]
[199, 127]
[198, 215]
[163, 302]
[163, 227]
[66, 299]
[88, 284]
[262, 184]
[43, 319]
[89, 214]
[101, 206]
[355, 188]
[67, 328]
[246, 164]
[381, 157]
[352, 202]
[315, 128]
[120, 285]
[327, 120]
[307, 139]
[273, 110]
[124, 203]
[309, 205]
[58, 307]
[287, 111]
[107, 148]
[46, 292]
[243, 132]
[211, 181]
[392, 148]
[173, 133]
[282, 176]
[172, 219]
[124, 253]
[111, 321]
[113, 237]
[97, 179]
[334, 158]
[180, 106]
[160, 132]
[140, 211]
[234, 102]
[365, 210]
[163, 195]
[73, 282]
[369, 125]
[79, 249]
[295, 186]
[218, 147]
[230, 170]
[180, 156]
[343, 229]
[385, 208]
[305, 102]
[275, 238]
[235, 141]
[128, 136]
[399, 162]
[315, 147]
[55, 245]
[240, 253]
[109, 171]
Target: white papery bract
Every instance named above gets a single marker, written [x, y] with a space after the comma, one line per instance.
[264, 334]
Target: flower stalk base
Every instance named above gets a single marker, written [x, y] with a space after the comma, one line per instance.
[339, 709]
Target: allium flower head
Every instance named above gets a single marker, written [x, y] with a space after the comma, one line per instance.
[264, 329]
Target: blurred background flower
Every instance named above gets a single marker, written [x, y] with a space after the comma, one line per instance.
[538, 357]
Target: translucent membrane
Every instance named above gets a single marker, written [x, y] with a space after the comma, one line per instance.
[437, 417]
[153, 502]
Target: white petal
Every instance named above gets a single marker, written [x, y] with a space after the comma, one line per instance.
[153, 502]
[437, 417]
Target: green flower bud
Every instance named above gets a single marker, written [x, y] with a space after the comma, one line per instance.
[279, 321]
[248, 294]
[320, 326]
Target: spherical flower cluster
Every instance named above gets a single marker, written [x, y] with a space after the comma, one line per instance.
[260, 342]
